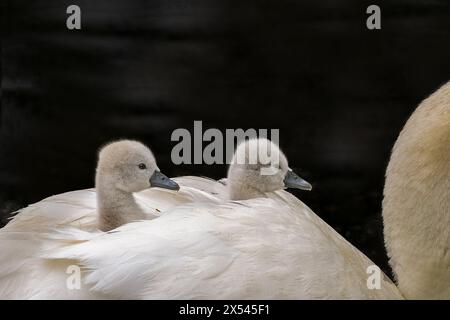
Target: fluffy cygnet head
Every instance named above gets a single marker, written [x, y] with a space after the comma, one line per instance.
[125, 167]
[258, 166]
[130, 166]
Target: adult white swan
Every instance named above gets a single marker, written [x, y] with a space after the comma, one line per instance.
[268, 247]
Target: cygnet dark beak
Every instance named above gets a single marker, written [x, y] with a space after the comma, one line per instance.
[291, 180]
[160, 180]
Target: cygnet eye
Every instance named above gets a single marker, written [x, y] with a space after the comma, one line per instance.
[142, 166]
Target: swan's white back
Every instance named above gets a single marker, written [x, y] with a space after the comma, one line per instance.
[270, 248]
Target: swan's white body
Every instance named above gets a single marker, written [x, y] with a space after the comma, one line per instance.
[264, 248]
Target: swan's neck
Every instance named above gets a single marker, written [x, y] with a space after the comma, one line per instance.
[242, 184]
[116, 207]
[239, 190]
[416, 205]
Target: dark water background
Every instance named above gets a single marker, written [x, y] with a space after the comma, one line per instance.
[338, 92]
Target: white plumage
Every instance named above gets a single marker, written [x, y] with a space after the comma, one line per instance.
[266, 248]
